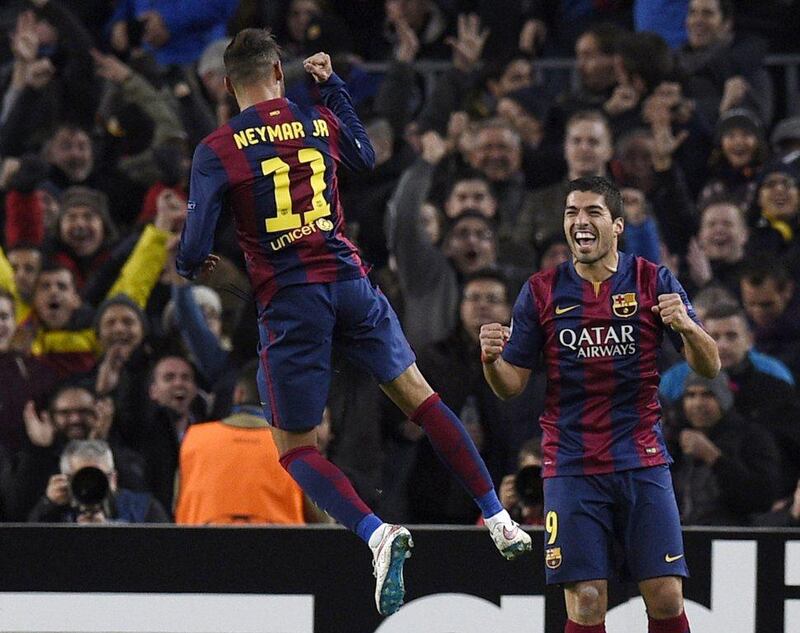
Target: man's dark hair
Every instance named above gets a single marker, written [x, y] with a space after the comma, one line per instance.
[468, 173]
[487, 274]
[61, 389]
[725, 311]
[496, 68]
[24, 246]
[247, 382]
[470, 213]
[758, 271]
[166, 355]
[647, 56]
[603, 186]
[720, 199]
[71, 127]
[591, 115]
[726, 8]
[607, 36]
[54, 266]
[251, 56]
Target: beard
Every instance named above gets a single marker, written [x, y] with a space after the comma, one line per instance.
[591, 258]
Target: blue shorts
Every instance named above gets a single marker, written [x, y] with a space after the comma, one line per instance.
[623, 524]
[298, 329]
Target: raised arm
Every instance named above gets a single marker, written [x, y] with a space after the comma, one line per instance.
[505, 379]
[352, 142]
[684, 328]
[509, 354]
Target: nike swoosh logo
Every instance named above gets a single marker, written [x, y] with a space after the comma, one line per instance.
[672, 559]
[560, 310]
[510, 534]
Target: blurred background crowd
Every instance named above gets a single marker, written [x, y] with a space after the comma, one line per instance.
[128, 394]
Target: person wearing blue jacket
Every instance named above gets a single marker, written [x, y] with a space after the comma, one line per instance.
[175, 31]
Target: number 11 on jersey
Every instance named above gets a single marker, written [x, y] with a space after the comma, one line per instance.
[287, 218]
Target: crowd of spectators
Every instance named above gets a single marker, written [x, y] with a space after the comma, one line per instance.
[111, 363]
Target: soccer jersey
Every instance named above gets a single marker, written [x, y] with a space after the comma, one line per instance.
[600, 343]
[274, 165]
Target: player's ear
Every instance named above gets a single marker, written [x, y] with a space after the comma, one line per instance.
[618, 226]
[277, 70]
[229, 87]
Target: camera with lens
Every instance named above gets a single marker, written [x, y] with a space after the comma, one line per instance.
[528, 485]
[90, 489]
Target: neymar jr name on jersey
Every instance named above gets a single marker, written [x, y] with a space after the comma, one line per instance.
[279, 132]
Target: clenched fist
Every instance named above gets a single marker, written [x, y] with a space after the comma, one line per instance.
[319, 67]
[493, 338]
[673, 313]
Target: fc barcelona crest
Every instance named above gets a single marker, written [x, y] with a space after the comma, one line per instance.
[624, 305]
[552, 557]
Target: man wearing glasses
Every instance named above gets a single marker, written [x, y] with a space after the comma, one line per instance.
[73, 414]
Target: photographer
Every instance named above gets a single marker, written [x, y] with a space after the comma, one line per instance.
[86, 491]
[74, 413]
[521, 492]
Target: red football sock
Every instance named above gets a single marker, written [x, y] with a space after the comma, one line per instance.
[574, 627]
[678, 624]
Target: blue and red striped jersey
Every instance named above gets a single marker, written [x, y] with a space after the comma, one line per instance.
[599, 344]
[274, 165]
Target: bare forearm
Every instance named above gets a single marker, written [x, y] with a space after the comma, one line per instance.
[701, 352]
[504, 379]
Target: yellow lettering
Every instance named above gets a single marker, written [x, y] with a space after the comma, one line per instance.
[274, 132]
[297, 129]
[551, 526]
[262, 132]
[251, 136]
[286, 218]
[286, 128]
[323, 127]
[241, 140]
[319, 205]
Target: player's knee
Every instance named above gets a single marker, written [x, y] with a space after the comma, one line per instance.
[589, 605]
[665, 607]
[665, 602]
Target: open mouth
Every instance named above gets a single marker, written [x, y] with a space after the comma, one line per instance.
[81, 238]
[471, 256]
[584, 239]
[740, 156]
[77, 430]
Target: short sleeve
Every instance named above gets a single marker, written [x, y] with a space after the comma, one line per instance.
[525, 345]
